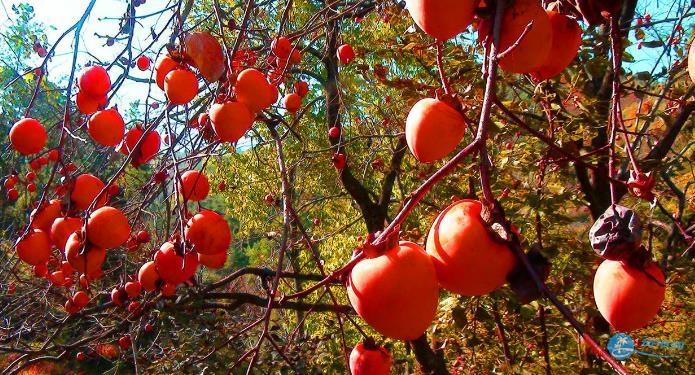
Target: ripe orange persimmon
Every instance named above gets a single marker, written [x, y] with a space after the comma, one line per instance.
[42, 218]
[181, 86]
[442, 19]
[213, 261]
[108, 227]
[28, 136]
[88, 263]
[147, 149]
[295, 57]
[148, 276]
[253, 90]
[230, 120]
[133, 289]
[85, 189]
[281, 47]
[209, 232]
[292, 102]
[627, 297]
[80, 299]
[194, 186]
[88, 104]
[62, 229]
[468, 261]
[396, 293]
[301, 88]
[345, 54]
[433, 129]
[534, 48]
[173, 268]
[94, 81]
[165, 65]
[35, 248]
[370, 359]
[567, 38]
[106, 127]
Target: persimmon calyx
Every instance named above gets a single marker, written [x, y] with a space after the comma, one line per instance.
[493, 218]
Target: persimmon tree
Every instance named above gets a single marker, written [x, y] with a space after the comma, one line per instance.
[450, 186]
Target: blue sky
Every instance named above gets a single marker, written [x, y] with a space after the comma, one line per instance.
[63, 13]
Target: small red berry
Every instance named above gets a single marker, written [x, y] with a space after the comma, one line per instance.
[334, 132]
[53, 155]
[133, 306]
[339, 161]
[80, 299]
[12, 194]
[124, 342]
[143, 236]
[143, 63]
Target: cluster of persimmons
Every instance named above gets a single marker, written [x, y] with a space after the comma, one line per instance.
[395, 291]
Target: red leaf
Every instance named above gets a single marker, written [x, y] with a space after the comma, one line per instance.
[206, 53]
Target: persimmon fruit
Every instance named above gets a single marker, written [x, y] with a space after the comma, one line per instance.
[94, 81]
[80, 299]
[108, 227]
[396, 292]
[209, 232]
[281, 47]
[143, 63]
[164, 66]
[146, 151]
[35, 248]
[44, 216]
[301, 88]
[442, 19]
[253, 90]
[533, 49]
[433, 129]
[133, 289]
[213, 261]
[370, 359]
[194, 186]
[180, 86]
[467, 260]
[292, 102]
[345, 54]
[106, 127]
[628, 297]
[85, 189]
[28, 136]
[567, 38]
[174, 268]
[148, 276]
[89, 104]
[62, 229]
[88, 263]
[230, 120]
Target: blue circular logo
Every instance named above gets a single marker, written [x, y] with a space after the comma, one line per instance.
[621, 346]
